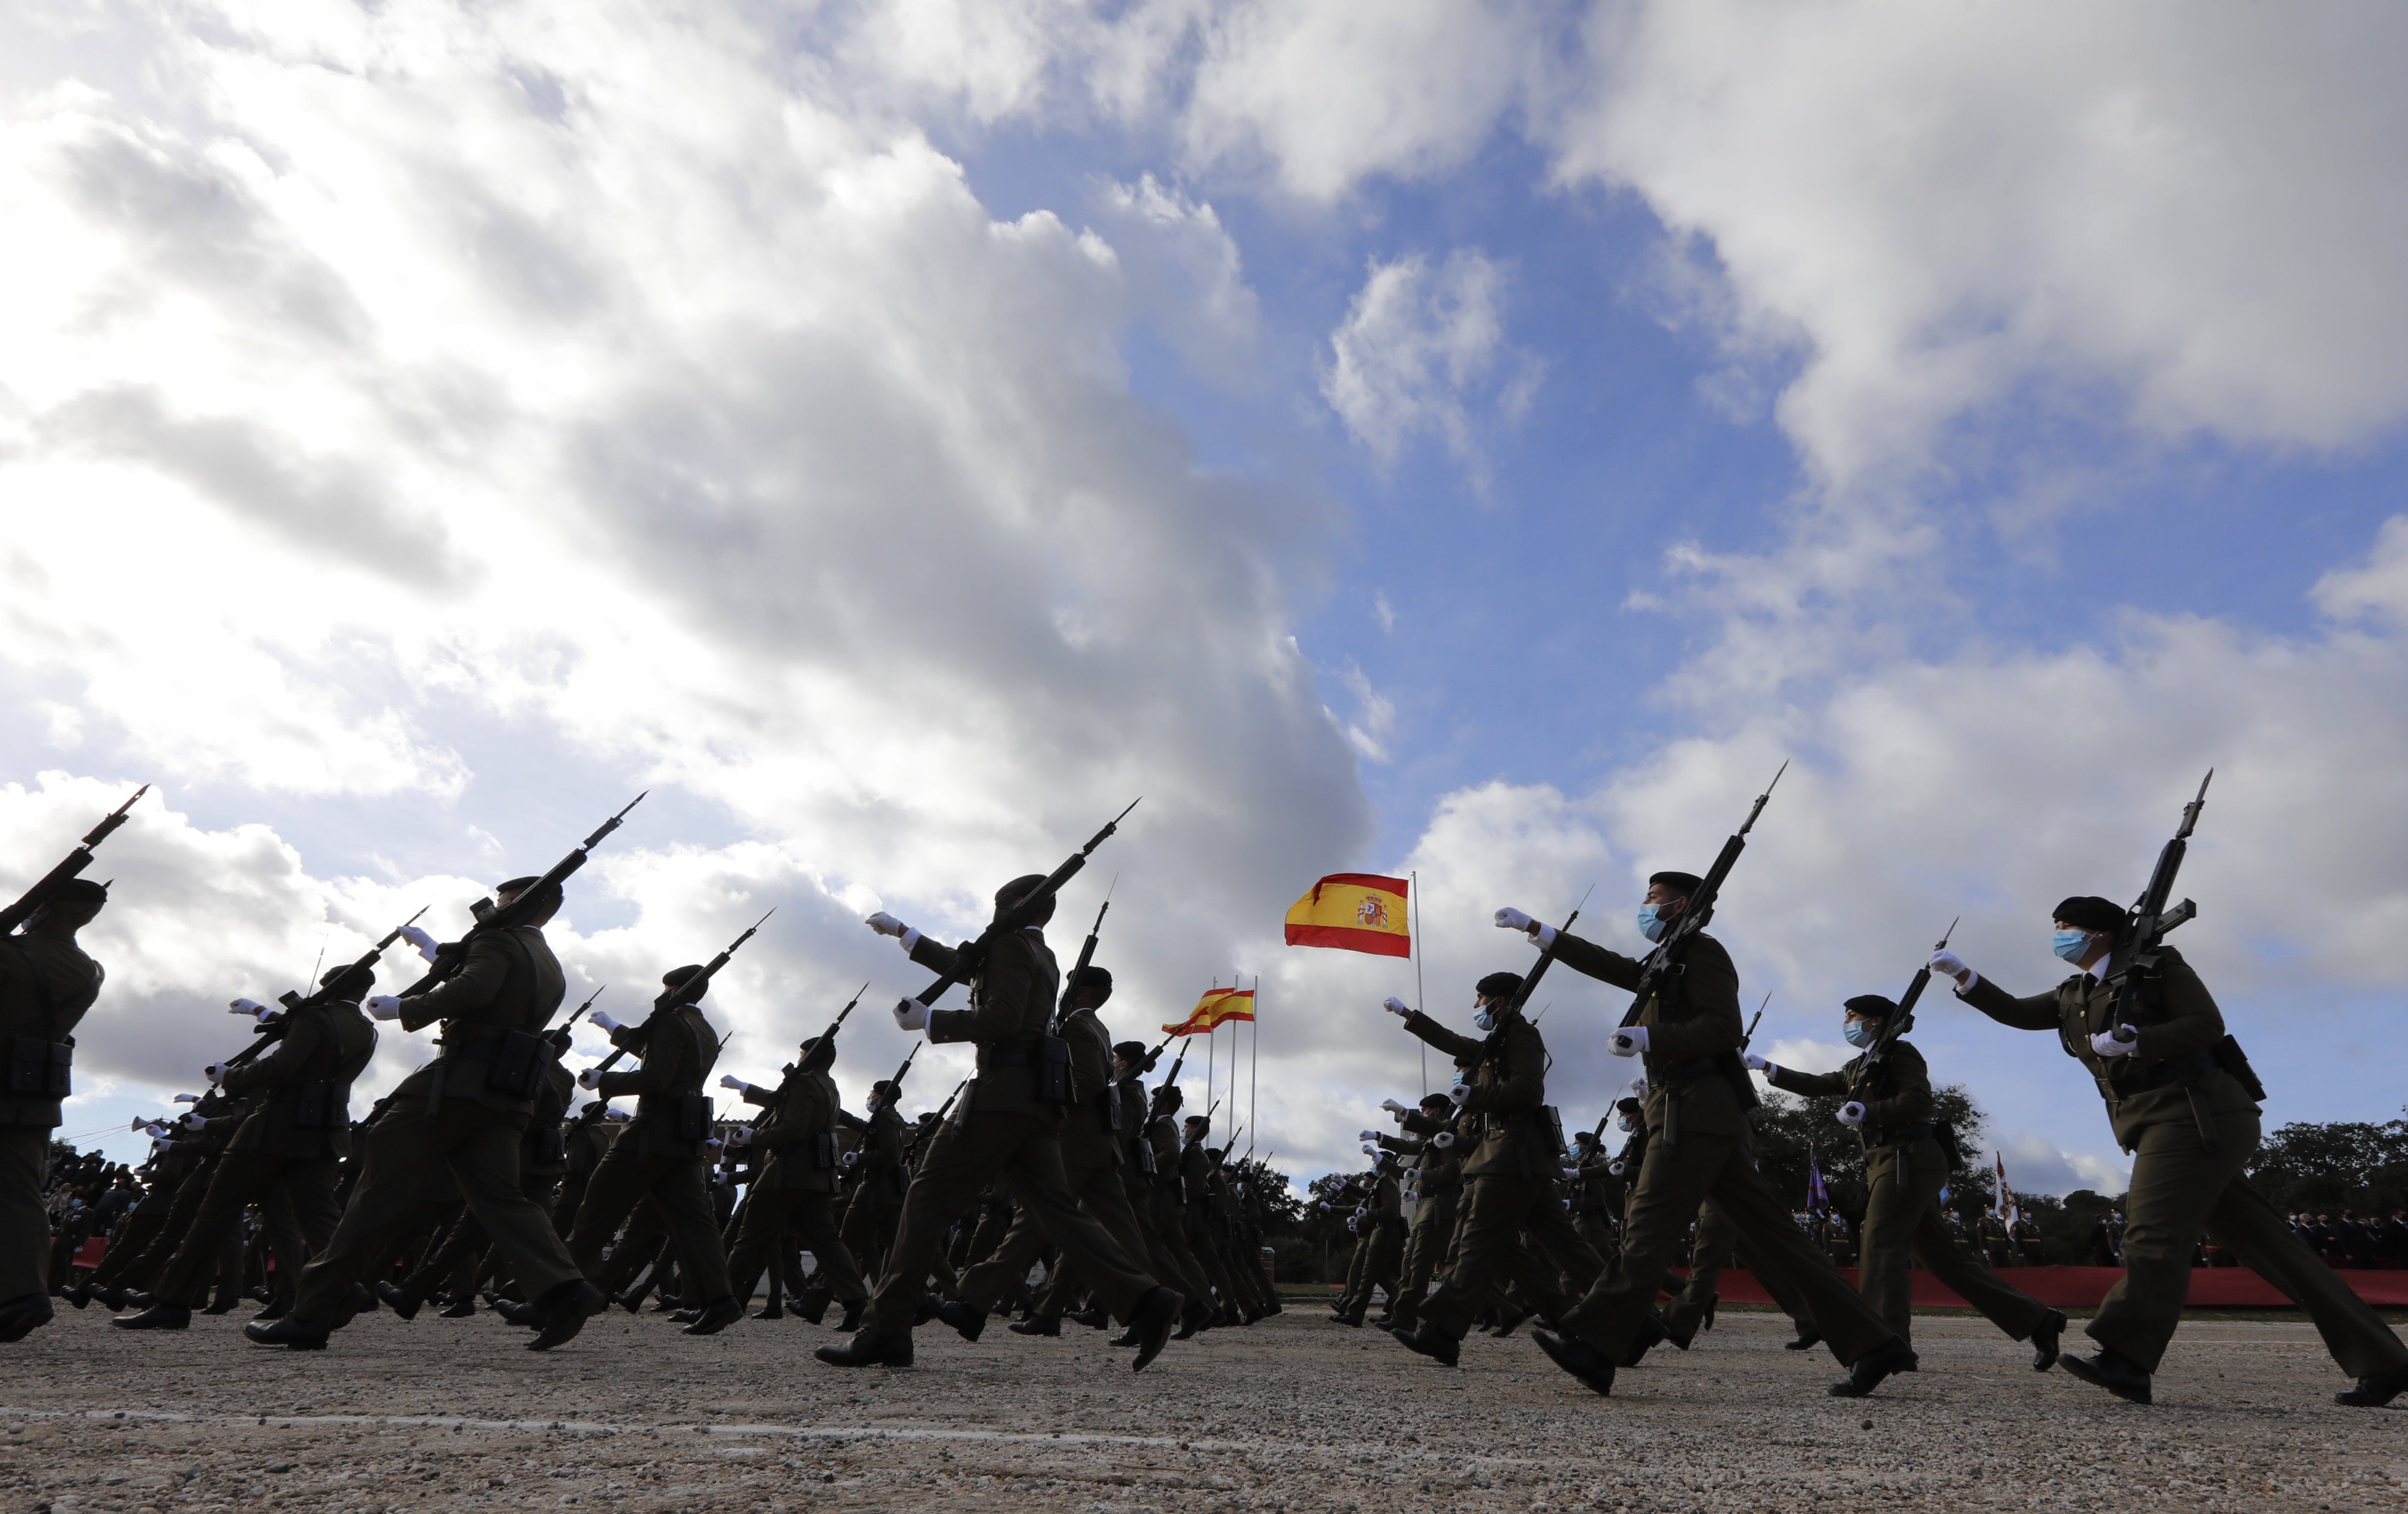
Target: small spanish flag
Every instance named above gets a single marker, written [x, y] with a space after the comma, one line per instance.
[1218, 1004]
[1354, 911]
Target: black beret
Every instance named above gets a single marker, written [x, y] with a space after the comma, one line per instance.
[1132, 1052]
[1092, 976]
[514, 884]
[349, 980]
[1204, 1120]
[1498, 985]
[886, 1086]
[2088, 911]
[1683, 884]
[1010, 894]
[1436, 1101]
[1584, 1137]
[1169, 1094]
[80, 891]
[676, 975]
[1873, 1006]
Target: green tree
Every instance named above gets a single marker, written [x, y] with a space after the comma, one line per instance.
[1791, 1133]
[2326, 1168]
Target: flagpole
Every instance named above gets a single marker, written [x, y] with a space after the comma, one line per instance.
[1413, 926]
[1254, 1057]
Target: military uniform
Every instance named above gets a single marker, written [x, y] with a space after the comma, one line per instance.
[47, 984]
[2180, 1186]
[880, 1179]
[294, 1139]
[1904, 1172]
[664, 1153]
[1695, 1123]
[792, 1193]
[1437, 1184]
[999, 1128]
[455, 1114]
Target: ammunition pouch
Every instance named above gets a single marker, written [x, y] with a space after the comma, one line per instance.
[1108, 1109]
[1049, 1064]
[682, 1117]
[1145, 1158]
[822, 1150]
[321, 1104]
[39, 1069]
[2230, 1057]
[513, 1061]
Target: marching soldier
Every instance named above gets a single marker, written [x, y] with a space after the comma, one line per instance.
[1382, 1219]
[663, 1154]
[1003, 1127]
[1597, 1194]
[1890, 1108]
[47, 983]
[448, 1115]
[2191, 1127]
[293, 1140]
[792, 1191]
[1694, 1123]
[1439, 1185]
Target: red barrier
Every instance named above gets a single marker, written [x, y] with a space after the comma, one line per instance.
[90, 1253]
[2081, 1288]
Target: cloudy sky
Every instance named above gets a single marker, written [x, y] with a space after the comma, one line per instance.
[1484, 440]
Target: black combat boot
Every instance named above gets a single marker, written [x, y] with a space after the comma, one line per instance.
[852, 1319]
[21, 1316]
[566, 1309]
[2120, 1374]
[715, 1316]
[400, 1300]
[2044, 1338]
[967, 1320]
[1428, 1340]
[812, 1306]
[157, 1317]
[868, 1350]
[1866, 1372]
[1042, 1324]
[1808, 1338]
[1091, 1317]
[298, 1335]
[525, 1316]
[2374, 1391]
[1650, 1334]
[78, 1295]
[463, 1308]
[278, 1306]
[775, 1309]
[1577, 1357]
[1156, 1315]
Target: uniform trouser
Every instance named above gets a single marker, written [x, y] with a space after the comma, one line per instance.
[768, 1214]
[2180, 1188]
[134, 1233]
[1501, 1213]
[24, 1223]
[1026, 1151]
[1167, 1221]
[1144, 1241]
[565, 1203]
[466, 1241]
[1902, 1220]
[1209, 1260]
[1596, 1230]
[241, 1179]
[480, 1148]
[1672, 1182]
[1103, 1197]
[1433, 1229]
[143, 1269]
[1716, 1247]
[675, 1183]
[640, 1243]
[1383, 1258]
[870, 1216]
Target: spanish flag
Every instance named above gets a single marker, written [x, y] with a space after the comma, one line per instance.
[1218, 1004]
[1356, 912]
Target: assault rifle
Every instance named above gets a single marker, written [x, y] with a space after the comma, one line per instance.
[896, 1081]
[34, 898]
[270, 1031]
[685, 992]
[1900, 1023]
[1018, 914]
[931, 1127]
[451, 956]
[1086, 956]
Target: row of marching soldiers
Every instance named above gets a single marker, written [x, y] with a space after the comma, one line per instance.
[473, 1165]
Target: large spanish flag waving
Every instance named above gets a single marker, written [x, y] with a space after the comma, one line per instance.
[1354, 911]
[1217, 1005]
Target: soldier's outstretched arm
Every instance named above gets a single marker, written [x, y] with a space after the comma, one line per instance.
[1588, 958]
[1807, 1085]
[1440, 1036]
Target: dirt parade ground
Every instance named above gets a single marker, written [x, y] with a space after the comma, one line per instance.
[1296, 1413]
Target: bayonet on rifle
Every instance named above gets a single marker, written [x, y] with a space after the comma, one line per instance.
[972, 956]
[34, 898]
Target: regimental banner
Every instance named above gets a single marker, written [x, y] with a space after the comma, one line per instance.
[1352, 912]
[1216, 1007]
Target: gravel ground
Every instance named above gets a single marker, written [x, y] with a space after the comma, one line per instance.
[1296, 1413]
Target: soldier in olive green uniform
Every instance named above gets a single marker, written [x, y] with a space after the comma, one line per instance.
[46, 985]
[451, 1115]
[1001, 1128]
[1166, 1205]
[1891, 1107]
[1431, 1145]
[1510, 1199]
[294, 1138]
[1690, 1037]
[663, 1154]
[1597, 1194]
[792, 1191]
[2162, 1080]
[1381, 1219]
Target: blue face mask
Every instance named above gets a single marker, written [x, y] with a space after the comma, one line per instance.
[1651, 924]
[1859, 1032]
[1485, 1019]
[2070, 944]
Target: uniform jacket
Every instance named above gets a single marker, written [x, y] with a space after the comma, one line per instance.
[46, 985]
[2082, 1007]
[543, 1148]
[509, 981]
[1011, 1003]
[1507, 1138]
[1089, 1140]
[676, 1049]
[1688, 1027]
[1897, 1096]
[328, 1042]
[799, 1136]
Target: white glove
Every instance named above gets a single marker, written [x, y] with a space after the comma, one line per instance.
[1950, 965]
[383, 1006]
[1372, 1151]
[1510, 918]
[156, 1132]
[617, 1116]
[885, 924]
[1852, 1114]
[1442, 1140]
[850, 1158]
[251, 1008]
[1395, 1006]
[741, 1135]
[2119, 1042]
[1460, 1093]
[215, 1071]
[1617, 1166]
[714, 1144]
[602, 1017]
[910, 1014]
[1630, 1043]
[193, 1122]
[1757, 1064]
[733, 1084]
[1349, 1225]
[1363, 1209]
[590, 1079]
[1571, 1175]
[1367, 1136]
[188, 1098]
[1399, 1111]
[1325, 1206]
[420, 937]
